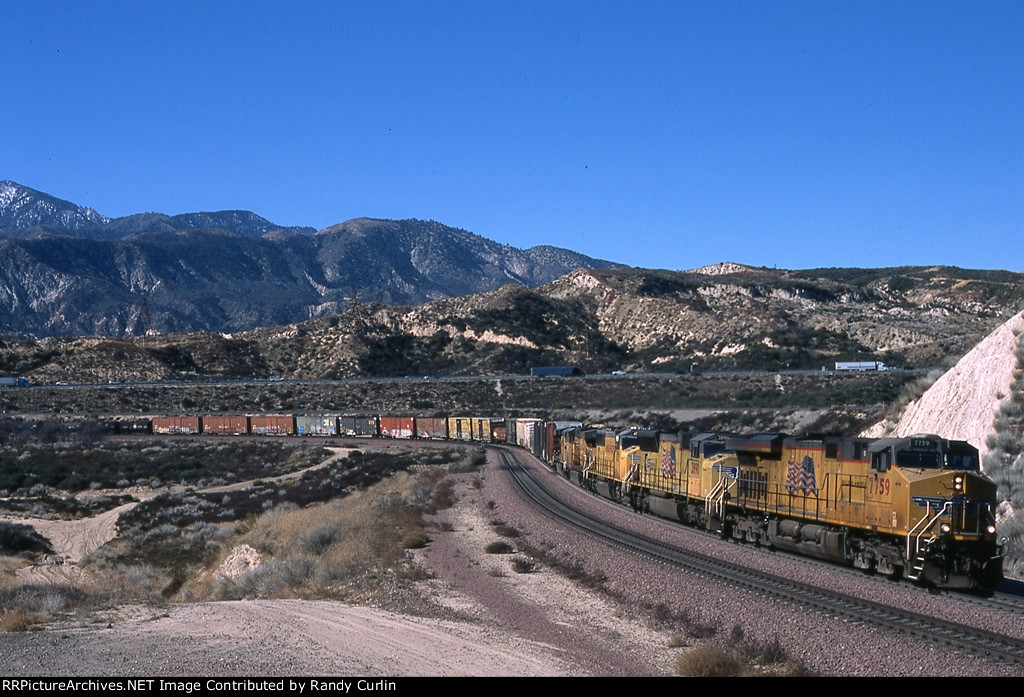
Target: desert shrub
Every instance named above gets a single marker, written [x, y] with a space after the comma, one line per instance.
[709, 661]
[504, 530]
[1012, 527]
[40, 600]
[470, 461]
[499, 547]
[443, 495]
[523, 566]
[349, 548]
[16, 538]
[319, 538]
[1005, 465]
[296, 570]
[67, 465]
[414, 539]
[742, 657]
[766, 653]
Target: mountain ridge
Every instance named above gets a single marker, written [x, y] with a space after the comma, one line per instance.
[65, 269]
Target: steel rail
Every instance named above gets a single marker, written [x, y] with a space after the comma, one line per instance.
[976, 641]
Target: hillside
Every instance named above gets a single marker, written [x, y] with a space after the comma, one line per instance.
[212, 280]
[598, 320]
[67, 270]
[963, 403]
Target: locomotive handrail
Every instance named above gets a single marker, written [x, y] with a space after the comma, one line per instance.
[631, 475]
[922, 527]
[715, 498]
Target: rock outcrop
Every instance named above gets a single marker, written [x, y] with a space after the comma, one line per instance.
[962, 404]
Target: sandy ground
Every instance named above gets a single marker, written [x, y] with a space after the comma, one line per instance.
[275, 637]
[498, 623]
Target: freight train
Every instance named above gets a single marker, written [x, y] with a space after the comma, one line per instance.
[916, 508]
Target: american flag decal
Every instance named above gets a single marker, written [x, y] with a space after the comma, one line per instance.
[668, 462]
[800, 477]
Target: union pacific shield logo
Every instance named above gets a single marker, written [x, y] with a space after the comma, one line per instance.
[800, 477]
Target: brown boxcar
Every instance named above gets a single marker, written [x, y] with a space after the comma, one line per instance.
[226, 425]
[273, 425]
[397, 427]
[176, 424]
[429, 427]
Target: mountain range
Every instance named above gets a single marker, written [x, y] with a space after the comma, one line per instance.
[66, 269]
[722, 318]
[233, 295]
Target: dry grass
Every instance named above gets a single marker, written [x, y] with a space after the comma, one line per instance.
[709, 661]
[16, 621]
[29, 603]
[352, 548]
[739, 659]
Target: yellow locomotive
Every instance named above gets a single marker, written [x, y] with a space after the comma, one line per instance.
[916, 507]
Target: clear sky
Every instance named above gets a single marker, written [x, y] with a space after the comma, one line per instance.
[658, 134]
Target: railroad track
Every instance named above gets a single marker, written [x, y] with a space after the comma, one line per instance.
[976, 641]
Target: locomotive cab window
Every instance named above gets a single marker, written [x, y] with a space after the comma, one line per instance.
[713, 448]
[860, 451]
[961, 461]
[881, 461]
[918, 459]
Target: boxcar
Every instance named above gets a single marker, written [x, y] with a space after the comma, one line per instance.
[459, 428]
[429, 427]
[358, 425]
[316, 425]
[397, 427]
[176, 424]
[226, 425]
[273, 425]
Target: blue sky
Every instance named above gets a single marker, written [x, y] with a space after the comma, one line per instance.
[657, 134]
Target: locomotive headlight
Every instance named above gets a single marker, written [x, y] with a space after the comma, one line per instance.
[958, 482]
[991, 529]
[945, 529]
